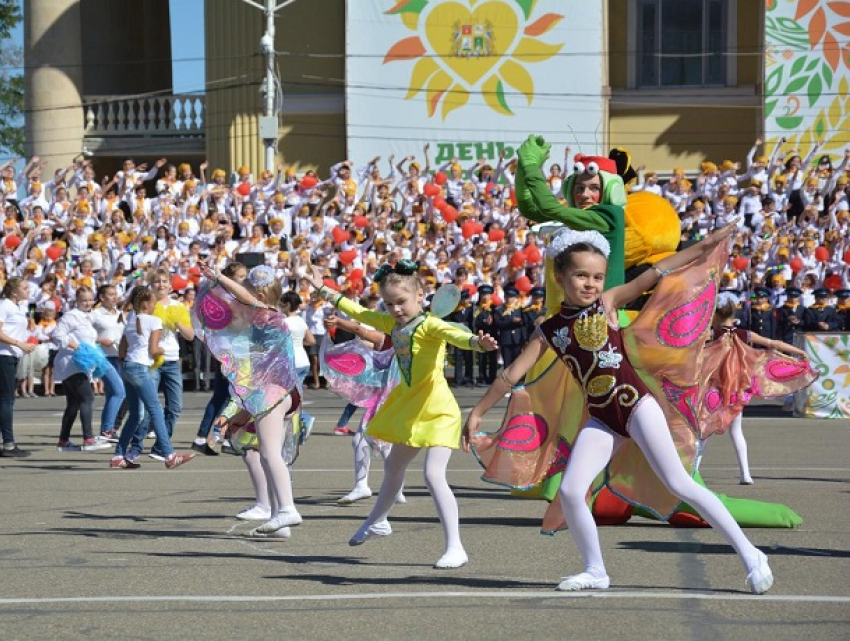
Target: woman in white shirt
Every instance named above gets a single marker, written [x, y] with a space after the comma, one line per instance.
[139, 347]
[13, 345]
[72, 330]
[108, 322]
[168, 376]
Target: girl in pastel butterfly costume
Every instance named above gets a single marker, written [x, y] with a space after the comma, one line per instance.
[244, 330]
[364, 377]
[420, 412]
[586, 337]
[737, 372]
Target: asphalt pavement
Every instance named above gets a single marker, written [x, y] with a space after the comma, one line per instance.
[88, 552]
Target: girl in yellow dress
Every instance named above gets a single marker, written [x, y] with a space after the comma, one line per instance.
[421, 412]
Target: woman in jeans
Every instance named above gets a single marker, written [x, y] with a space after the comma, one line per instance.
[168, 376]
[139, 346]
[13, 345]
[108, 322]
[72, 330]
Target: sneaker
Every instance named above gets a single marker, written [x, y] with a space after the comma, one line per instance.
[133, 455]
[342, 431]
[204, 448]
[277, 535]
[176, 460]
[255, 513]
[381, 528]
[227, 448]
[92, 445]
[151, 434]
[283, 519]
[307, 428]
[583, 581]
[156, 456]
[761, 578]
[109, 436]
[14, 452]
[121, 463]
[67, 446]
[746, 480]
[357, 494]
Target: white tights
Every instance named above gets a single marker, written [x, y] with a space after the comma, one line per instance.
[595, 446]
[258, 477]
[739, 443]
[363, 457]
[436, 462]
[271, 430]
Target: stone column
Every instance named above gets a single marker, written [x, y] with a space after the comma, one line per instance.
[53, 81]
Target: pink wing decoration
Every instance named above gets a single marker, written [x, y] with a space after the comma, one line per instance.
[683, 325]
[346, 364]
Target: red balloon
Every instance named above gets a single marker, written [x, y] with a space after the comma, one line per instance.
[796, 264]
[244, 189]
[468, 229]
[13, 242]
[495, 235]
[361, 221]
[440, 178]
[472, 289]
[355, 275]
[740, 263]
[518, 259]
[479, 228]
[532, 254]
[439, 203]
[450, 215]
[430, 189]
[309, 181]
[178, 283]
[339, 235]
[347, 257]
[832, 282]
[846, 254]
[195, 274]
[523, 284]
[54, 252]
[822, 254]
[331, 284]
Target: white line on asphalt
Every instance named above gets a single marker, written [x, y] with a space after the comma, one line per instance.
[479, 594]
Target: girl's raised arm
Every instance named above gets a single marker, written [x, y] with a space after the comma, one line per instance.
[502, 385]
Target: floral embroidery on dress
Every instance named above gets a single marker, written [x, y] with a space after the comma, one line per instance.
[402, 338]
[562, 339]
[610, 358]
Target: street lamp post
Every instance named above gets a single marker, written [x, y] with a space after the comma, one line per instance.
[269, 120]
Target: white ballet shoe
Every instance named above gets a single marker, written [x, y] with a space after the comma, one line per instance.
[401, 499]
[281, 520]
[277, 535]
[381, 528]
[760, 578]
[452, 559]
[583, 581]
[746, 480]
[357, 494]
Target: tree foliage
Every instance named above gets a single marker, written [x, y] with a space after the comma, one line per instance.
[11, 82]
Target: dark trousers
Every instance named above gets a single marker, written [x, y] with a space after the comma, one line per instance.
[487, 364]
[509, 353]
[463, 367]
[79, 399]
[8, 368]
[220, 396]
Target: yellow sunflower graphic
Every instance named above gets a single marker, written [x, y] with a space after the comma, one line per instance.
[471, 46]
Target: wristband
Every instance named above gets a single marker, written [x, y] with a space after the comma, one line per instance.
[661, 272]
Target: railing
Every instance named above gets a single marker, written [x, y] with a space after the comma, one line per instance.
[127, 116]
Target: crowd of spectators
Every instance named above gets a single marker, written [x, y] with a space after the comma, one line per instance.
[69, 227]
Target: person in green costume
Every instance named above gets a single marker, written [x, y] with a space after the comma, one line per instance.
[596, 200]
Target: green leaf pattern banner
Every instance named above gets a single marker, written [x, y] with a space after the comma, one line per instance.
[807, 73]
[829, 395]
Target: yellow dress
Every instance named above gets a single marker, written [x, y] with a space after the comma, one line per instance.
[421, 411]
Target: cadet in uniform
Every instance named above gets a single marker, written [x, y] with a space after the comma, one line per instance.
[820, 317]
[762, 315]
[509, 322]
[484, 321]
